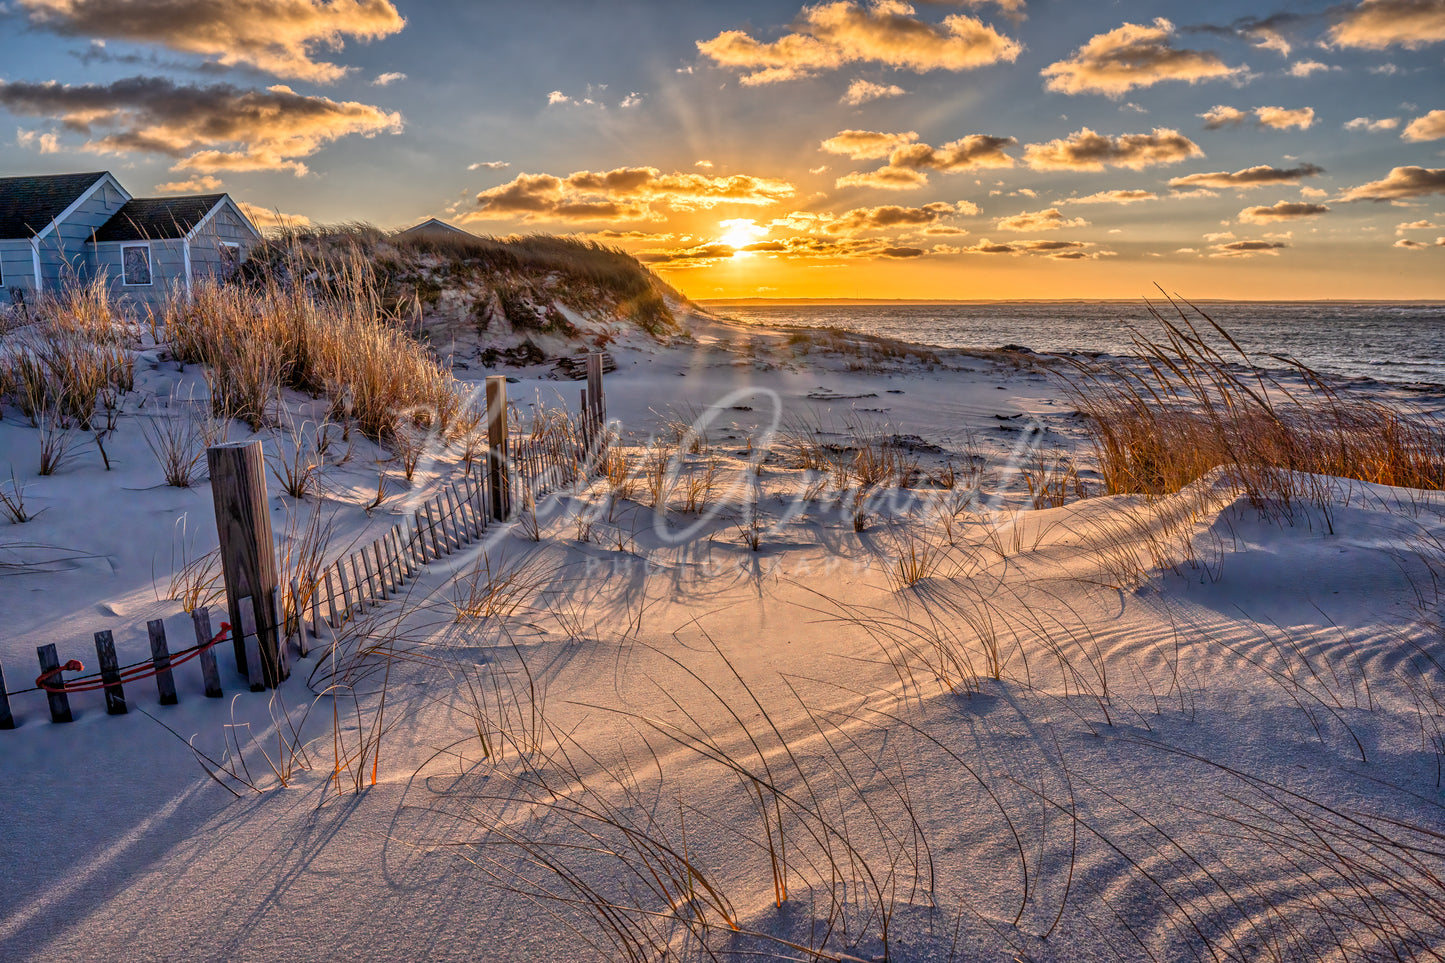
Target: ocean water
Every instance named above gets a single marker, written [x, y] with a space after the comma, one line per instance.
[1397, 342]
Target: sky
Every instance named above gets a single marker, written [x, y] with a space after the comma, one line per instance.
[951, 149]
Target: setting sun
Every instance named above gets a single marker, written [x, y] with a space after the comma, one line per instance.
[739, 232]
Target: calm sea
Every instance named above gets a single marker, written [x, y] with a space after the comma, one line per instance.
[1399, 342]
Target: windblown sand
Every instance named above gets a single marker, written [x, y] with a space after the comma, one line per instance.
[1117, 729]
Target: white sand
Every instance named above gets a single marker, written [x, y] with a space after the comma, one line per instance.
[1145, 779]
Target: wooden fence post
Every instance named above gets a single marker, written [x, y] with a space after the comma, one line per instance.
[59, 701]
[248, 553]
[201, 619]
[250, 644]
[331, 601]
[497, 445]
[161, 659]
[110, 673]
[594, 386]
[283, 654]
[7, 721]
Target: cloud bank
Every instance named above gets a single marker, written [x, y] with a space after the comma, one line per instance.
[277, 36]
[627, 193]
[209, 128]
[832, 35]
[1134, 55]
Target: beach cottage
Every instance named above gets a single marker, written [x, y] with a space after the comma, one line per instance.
[61, 229]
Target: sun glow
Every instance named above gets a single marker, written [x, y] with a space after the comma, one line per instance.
[739, 232]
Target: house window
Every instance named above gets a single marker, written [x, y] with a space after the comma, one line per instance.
[230, 260]
[135, 263]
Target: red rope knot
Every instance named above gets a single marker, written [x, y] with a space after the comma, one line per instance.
[72, 666]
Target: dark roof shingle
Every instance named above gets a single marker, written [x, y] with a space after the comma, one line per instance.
[29, 204]
[157, 218]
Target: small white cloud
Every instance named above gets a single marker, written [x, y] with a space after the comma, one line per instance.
[1219, 236]
[633, 99]
[818, 170]
[1370, 124]
[685, 70]
[1134, 108]
[705, 164]
[384, 80]
[488, 165]
[47, 142]
[1313, 192]
[1303, 68]
[557, 97]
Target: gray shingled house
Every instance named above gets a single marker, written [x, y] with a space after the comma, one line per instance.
[61, 229]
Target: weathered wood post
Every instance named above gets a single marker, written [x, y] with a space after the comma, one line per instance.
[110, 673]
[161, 659]
[594, 387]
[201, 620]
[7, 721]
[497, 445]
[248, 553]
[59, 701]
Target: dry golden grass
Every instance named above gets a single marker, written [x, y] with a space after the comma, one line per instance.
[73, 350]
[331, 336]
[1197, 403]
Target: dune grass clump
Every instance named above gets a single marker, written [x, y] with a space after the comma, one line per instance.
[327, 336]
[1198, 403]
[73, 350]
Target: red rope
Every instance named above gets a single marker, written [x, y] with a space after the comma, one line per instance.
[129, 673]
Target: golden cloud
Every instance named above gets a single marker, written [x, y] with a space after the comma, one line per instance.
[1250, 177]
[627, 193]
[966, 153]
[1221, 115]
[265, 218]
[831, 35]
[1115, 197]
[204, 184]
[907, 163]
[1059, 250]
[1401, 183]
[1282, 118]
[1248, 248]
[862, 91]
[277, 36]
[1429, 127]
[208, 128]
[1046, 220]
[1134, 55]
[862, 219]
[805, 247]
[1086, 150]
[867, 144]
[884, 178]
[1377, 24]
[1408, 244]
[1281, 211]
